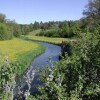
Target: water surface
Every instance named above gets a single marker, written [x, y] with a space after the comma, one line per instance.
[50, 56]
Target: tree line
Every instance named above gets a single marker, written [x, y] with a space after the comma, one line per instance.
[9, 28]
[90, 22]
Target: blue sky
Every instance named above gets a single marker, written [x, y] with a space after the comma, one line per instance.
[27, 11]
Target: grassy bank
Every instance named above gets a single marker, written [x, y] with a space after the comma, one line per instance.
[35, 32]
[20, 51]
[26, 58]
[48, 39]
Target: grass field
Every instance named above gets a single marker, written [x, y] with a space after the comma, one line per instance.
[49, 39]
[35, 32]
[15, 47]
[20, 51]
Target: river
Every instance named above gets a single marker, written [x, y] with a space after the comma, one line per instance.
[50, 56]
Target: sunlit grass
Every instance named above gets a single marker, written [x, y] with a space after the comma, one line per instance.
[13, 48]
[49, 39]
[35, 32]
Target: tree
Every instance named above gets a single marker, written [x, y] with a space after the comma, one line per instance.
[93, 8]
[15, 28]
[2, 18]
[5, 32]
[92, 13]
[30, 27]
[36, 25]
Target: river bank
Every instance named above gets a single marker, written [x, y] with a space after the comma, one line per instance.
[52, 52]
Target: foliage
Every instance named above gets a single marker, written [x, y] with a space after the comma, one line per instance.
[76, 77]
[5, 32]
[49, 33]
[2, 18]
[93, 9]
[9, 28]
[7, 80]
[66, 31]
[92, 15]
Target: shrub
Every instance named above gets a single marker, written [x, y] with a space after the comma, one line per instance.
[5, 32]
[76, 77]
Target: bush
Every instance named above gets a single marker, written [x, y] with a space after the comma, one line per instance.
[76, 77]
[5, 32]
[64, 33]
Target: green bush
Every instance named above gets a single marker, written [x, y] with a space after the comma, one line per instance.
[76, 77]
[5, 32]
[66, 33]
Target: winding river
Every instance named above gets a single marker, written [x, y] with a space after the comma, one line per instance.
[50, 56]
[52, 51]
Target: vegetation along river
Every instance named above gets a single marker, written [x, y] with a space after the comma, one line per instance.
[50, 56]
